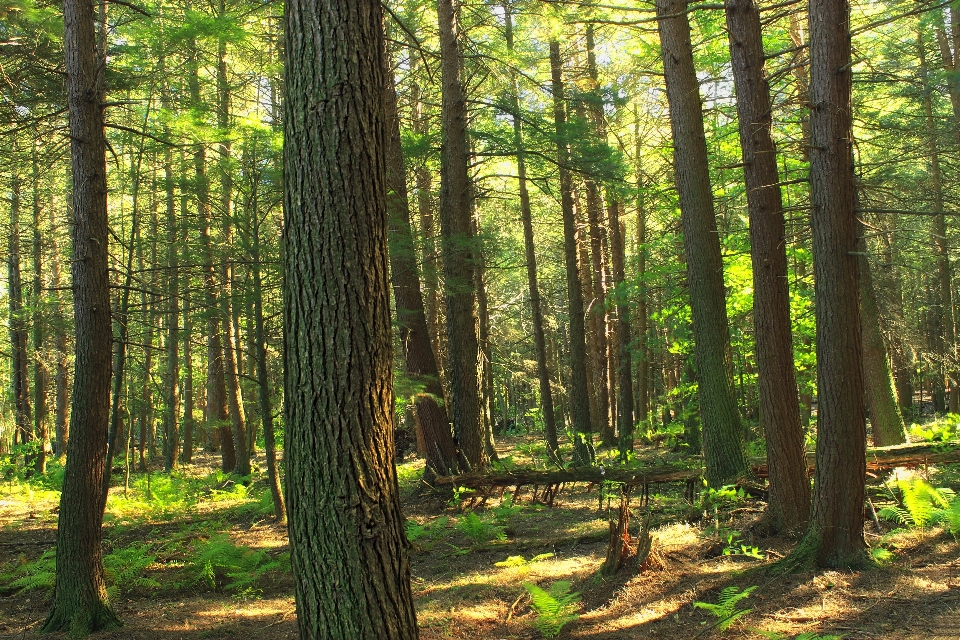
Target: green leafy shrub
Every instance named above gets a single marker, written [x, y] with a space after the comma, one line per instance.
[554, 607]
[27, 576]
[125, 569]
[942, 430]
[922, 504]
[478, 530]
[726, 607]
[221, 565]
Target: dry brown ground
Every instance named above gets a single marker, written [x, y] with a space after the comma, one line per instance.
[462, 594]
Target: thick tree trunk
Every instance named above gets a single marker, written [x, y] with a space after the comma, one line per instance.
[419, 361]
[348, 548]
[835, 535]
[539, 340]
[579, 393]
[80, 596]
[789, 503]
[458, 269]
[722, 430]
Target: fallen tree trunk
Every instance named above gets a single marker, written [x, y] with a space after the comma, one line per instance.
[878, 459]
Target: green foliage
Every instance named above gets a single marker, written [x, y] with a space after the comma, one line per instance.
[554, 607]
[942, 430]
[519, 561]
[220, 564]
[922, 504]
[432, 530]
[458, 493]
[726, 607]
[736, 548]
[28, 576]
[480, 530]
[125, 568]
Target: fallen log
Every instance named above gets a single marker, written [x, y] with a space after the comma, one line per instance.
[878, 459]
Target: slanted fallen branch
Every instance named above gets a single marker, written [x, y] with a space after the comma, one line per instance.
[878, 459]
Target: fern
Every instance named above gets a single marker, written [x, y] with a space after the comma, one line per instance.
[479, 531]
[519, 561]
[125, 568]
[221, 565]
[726, 607]
[922, 504]
[39, 574]
[554, 608]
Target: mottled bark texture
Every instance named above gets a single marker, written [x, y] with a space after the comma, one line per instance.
[722, 431]
[463, 347]
[526, 217]
[789, 497]
[579, 392]
[418, 356]
[80, 595]
[835, 534]
[19, 377]
[348, 548]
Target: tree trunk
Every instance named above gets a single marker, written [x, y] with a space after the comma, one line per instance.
[543, 372]
[217, 413]
[722, 430]
[788, 506]
[19, 376]
[238, 419]
[419, 361]
[40, 376]
[625, 420]
[835, 535]
[461, 295]
[579, 393]
[62, 399]
[348, 548]
[599, 262]
[643, 373]
[171, 413]
[80, 596]
[186, 455]
[485, 368]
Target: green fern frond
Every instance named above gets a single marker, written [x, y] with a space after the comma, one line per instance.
[554, 608]
[726, 607]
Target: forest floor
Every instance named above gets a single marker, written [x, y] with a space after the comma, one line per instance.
[200, 557]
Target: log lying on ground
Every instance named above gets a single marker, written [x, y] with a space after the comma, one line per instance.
[878, 459]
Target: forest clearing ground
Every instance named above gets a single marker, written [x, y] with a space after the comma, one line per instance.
[460, 590]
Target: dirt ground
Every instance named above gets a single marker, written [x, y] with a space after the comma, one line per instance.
[461, 592]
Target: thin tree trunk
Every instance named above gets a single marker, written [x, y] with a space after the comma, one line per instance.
[62, 398]
[643, 375]
[461, 296]
[217, 412]
[171, 414]
[625, 420]
[419, 358]
[788, 506]
[40, 376]
[722, 430]
[347, 543]
[579, 393]
[238, 418]
[188, 420]
[543, 371]
[19, 376]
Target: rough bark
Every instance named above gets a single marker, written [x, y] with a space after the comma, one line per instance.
[722, 430]
[189, 423]
[835, 534]
[536, 307]
[62, 397]
[579, 393]
[419, 358]
[625, 420]
[458, 269]
[348, 548]
[643, 362]
[80, 596]
[789, 504]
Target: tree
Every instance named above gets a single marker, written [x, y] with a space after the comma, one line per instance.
[722, 430]
[579, 393]
[835, 534]
[789, 502]
[351, 573]
[80, 595]
[463, 349]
